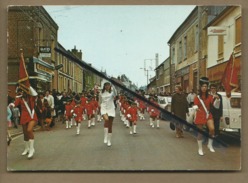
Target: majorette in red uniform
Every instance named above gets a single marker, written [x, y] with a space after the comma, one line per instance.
[142, 107]
[68, 113]
[126, 107]
[27, 114]
[78, 115]
[154, 113]
[83, 102]
[26, 102]
[73, 103]
[122, 101]
[203, 116]
[132, 115]
[89, 107]
[95, 109]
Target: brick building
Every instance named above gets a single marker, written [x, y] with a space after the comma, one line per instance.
[32, 29]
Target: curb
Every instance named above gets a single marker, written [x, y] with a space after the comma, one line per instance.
[21, 132]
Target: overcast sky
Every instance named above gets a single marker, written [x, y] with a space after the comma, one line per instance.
[119, 39]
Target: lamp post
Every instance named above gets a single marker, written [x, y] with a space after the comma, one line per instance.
[147, 71]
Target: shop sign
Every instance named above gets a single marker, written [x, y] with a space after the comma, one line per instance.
[43, 68]
[45, 51]
[216, 31]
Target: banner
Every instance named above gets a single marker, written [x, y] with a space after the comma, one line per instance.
[23, 76]
[230, 77]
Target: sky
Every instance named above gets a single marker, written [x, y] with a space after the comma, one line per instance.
[120, 39]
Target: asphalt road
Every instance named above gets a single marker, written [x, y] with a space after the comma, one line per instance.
[150, 149]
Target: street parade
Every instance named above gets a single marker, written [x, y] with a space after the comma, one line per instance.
[65, 114]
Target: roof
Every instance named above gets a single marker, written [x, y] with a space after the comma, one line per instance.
[184, 22]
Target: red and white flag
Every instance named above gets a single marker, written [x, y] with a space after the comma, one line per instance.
[230, 76]
[23, 76]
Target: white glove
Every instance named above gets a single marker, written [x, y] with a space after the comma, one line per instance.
[11, 105]
[128, 115]
[74, 115]
[152, 110]
[72, 111]
[195, 107]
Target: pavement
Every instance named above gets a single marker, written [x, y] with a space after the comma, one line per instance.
[14, 132]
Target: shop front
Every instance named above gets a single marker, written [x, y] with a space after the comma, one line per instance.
[216, 73]
[40, 74]
[182, 78]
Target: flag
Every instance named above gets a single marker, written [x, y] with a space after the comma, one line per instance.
[230, 76]
[23, 76]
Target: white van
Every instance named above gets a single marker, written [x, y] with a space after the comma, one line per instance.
[231, 113]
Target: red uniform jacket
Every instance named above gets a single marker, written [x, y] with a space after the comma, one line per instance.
[78, 110]
[68, 108]
[25, 115]
[200, 116]
[154, 112]
[83, 101]
[95, 104]
[133, 112]
[89, 107]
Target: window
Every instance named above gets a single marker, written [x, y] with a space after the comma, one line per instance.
[220, 46]
[196, 38]
[235, 102]
[173, 55]
[180, 52]
[185, 47]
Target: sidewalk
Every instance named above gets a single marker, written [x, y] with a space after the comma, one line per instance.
[18, 131]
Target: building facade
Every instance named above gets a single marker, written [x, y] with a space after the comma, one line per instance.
[221, 46]
[163, 77]
[31, 29]
[187, 51]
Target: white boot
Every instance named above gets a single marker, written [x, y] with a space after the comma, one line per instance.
[26, 150]
[109, 139]
[78, 128]
[131, 130]
[152, 125]
[88, 123]
[150, 121]
[210, 145]
[93, 121]
[31, 148]
[158, 123]
[70, 124]
[134, 129]
[128, 125]
[67, 124]
[105, 135]
[200, 151]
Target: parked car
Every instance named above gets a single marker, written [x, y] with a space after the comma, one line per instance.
[165, 103]
[231, 113]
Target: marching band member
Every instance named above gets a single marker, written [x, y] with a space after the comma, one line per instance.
[78, 115]
[132, 114]
[154, 113]
[108, 110]
[203, 116]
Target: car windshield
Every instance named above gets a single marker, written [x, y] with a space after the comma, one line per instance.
[235, 102]
[162, 101]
